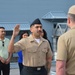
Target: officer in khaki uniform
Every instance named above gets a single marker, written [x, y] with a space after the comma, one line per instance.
[36, 50]
[65, 64]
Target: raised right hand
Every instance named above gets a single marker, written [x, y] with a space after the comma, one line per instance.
[16, 30]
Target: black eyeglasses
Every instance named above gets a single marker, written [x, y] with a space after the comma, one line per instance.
[3, 43]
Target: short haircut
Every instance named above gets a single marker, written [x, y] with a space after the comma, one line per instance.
[2, 28]
[72, 16]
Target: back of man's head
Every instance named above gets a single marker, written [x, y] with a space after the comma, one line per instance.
[71, 13]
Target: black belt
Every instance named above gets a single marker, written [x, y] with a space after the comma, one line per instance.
[34, 68]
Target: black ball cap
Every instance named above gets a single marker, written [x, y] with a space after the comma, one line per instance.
[36, 21]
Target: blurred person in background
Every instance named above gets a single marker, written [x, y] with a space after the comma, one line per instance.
[44, 35]
[24, 34]
[5, 56]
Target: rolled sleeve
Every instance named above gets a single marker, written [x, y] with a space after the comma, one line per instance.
[61, 49]
[49, 53]
[20, 45]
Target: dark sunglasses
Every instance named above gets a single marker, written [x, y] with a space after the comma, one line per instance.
[3, 43]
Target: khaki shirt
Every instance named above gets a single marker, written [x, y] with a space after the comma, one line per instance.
[66, 50]
[4, 49]
[34, 54]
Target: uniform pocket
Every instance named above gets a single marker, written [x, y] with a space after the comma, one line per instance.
[32, 50]
[44, 50]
